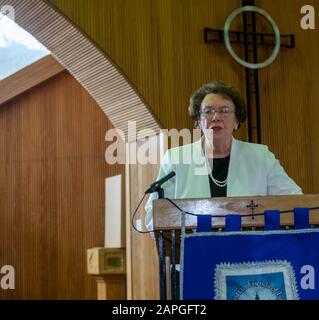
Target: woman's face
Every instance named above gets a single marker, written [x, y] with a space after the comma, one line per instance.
[217, 114]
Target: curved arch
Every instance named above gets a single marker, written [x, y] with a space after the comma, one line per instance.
[96, 73]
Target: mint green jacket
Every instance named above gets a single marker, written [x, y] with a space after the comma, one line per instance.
[253, 171]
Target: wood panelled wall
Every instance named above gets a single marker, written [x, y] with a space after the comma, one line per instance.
[52, 171]
[159, 46]
[289, 93]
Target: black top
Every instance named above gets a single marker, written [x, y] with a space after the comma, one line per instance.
[220, 171]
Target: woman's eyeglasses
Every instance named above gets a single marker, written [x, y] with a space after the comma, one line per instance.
[210, 112]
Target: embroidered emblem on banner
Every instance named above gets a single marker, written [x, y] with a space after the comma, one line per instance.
[265, 280]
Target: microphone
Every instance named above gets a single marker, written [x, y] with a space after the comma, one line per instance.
[156, 186]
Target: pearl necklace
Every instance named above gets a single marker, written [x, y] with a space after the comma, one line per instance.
[217, 182]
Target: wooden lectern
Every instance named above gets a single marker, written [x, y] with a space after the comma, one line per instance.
[167, 224]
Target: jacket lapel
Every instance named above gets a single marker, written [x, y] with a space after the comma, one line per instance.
[199, 188]
[234, 187]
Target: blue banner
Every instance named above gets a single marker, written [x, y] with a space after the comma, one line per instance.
[250, 265]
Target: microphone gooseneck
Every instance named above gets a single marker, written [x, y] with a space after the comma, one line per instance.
[156, 186]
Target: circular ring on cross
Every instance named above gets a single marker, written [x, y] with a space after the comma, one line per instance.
[244, 63]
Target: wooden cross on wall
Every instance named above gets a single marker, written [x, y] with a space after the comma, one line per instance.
[251, 40]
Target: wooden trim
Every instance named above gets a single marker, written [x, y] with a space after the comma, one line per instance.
[143, 259]
[108, 86]
[166, 216]
[129, 289]
[29, 77]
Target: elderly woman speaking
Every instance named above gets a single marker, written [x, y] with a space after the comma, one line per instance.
[233, 167]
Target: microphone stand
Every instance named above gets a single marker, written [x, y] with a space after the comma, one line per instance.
[160, 192]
